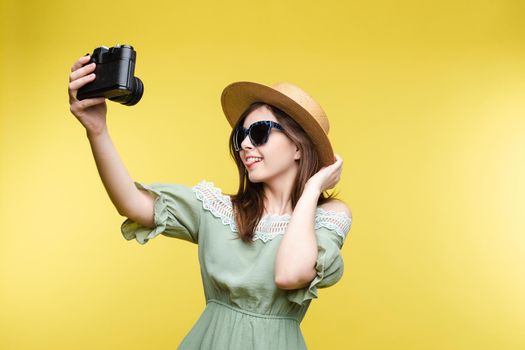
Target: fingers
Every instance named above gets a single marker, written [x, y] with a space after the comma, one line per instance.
[78, 83]
[338, 161]
[80, 72]
[80, 62]
[79, 106]
[337, 168]
[90, 102]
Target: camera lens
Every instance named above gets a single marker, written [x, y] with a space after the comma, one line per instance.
[136, 93]
[134, 96]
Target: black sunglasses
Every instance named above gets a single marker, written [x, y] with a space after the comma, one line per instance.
[258, 133]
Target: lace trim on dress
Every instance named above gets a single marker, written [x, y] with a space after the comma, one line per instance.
[269, 226]
[217, 203]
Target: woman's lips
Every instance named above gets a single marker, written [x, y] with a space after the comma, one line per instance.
[251, 161]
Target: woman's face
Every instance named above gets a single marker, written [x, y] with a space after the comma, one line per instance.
[274, 160]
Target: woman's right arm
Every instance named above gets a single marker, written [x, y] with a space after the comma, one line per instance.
[127, 199]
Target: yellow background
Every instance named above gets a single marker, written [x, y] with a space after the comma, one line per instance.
[427, 107]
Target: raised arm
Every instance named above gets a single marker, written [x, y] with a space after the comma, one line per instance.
[295, 263]
[127, 199]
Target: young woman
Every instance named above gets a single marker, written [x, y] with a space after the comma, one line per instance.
[264, 251]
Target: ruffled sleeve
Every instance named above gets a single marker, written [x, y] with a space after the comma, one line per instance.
[331, 229]
[177, 214]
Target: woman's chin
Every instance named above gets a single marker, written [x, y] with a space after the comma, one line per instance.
[254, 178]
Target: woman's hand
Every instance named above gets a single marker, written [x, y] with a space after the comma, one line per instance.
[90, 112]
[327, 177]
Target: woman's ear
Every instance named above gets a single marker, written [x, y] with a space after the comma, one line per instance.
[297, 153]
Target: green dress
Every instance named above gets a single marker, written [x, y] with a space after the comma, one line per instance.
[244, 308]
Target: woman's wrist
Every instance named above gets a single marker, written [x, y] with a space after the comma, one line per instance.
[314, 190]
[311, 190]
[92, 134]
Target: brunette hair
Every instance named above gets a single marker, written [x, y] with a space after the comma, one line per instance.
[248, 204]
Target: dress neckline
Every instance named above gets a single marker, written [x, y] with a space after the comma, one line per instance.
[270, 225]
[276, 216]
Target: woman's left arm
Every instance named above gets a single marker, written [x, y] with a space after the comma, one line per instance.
[297, 253]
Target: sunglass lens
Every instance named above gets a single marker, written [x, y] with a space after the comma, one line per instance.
[238, 138]
[259, 134]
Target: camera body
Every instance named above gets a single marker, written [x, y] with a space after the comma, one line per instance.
[114, 76]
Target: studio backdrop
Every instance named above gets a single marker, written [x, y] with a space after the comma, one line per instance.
[427, 108]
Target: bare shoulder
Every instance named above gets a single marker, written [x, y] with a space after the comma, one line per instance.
[338, 206]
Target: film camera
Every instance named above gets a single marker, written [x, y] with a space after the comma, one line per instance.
[114, 76]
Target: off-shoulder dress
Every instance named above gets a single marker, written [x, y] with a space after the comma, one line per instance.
[244, 308]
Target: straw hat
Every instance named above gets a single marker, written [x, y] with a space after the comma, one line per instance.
[238, 96]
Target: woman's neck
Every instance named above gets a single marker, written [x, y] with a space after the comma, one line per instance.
[278, 196]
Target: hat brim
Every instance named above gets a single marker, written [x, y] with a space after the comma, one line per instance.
[238, 96]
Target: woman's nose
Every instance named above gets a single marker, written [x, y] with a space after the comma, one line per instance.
[246, 143]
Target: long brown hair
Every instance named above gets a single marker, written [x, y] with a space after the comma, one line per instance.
[248, 203]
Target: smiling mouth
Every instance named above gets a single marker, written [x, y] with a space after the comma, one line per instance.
[250, 161]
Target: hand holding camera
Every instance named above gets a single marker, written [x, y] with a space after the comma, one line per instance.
[107, 73]
[90, 112]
